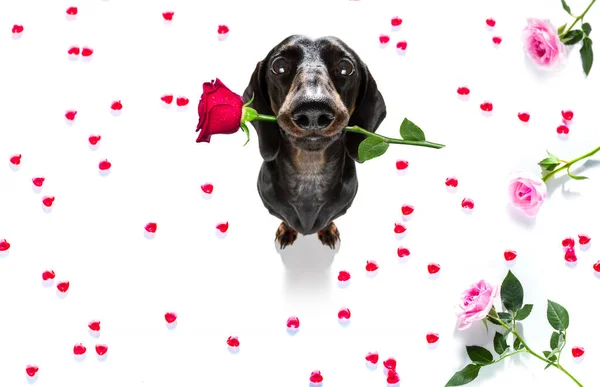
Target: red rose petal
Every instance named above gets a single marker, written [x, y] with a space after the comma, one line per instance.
[182, 101]
[401, 165]
[384, 39]
[167, 99]
[490, 22]
[207, 188]
[94, 139]
[403, 252]
[170, 317]
[15, 160]
[432, 338]
[463, 90]
[116, 105]
[94, 326]
[562, 129]
[31, 370]
[72, 11]
[577, 351]
[584, 239]
[497, 40]
[392, 377]
[567, 115]
[468, 204]
[452, 182]
[168, 15]
[223, 227]
[17, 29]
[38, 181]
[390, 364]
[233, 341]
[63, 286]
[74, 51]
[568, 242]
[293, 323]
[399, 228]
[48, 275]
[151, 227]
[487, 106]
[86, 52]
[372, 357]
[79, 349]
[596, 267]
[343, 276]
[401, 45]
[70, 115]
[222, 30]
[510, 255]
[372, 266]
[104, 165]
[48, 200]
[316, 377]
[433, 268]
[4, 245]
[344, 314]
[524, 117]
[407, 209]
[570, 255]
[396, 21]
[101, 349]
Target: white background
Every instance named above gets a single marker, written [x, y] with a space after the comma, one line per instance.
[241, 285]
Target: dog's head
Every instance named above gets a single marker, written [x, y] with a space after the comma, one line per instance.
[315, 87]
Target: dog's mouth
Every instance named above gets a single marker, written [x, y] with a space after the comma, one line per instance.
[333, 130]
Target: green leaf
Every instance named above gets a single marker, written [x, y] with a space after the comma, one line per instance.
[572, 37]
[518, 344]
[547, 366]
[524, 312]
[549, 163]
[410, 131]
[464, 376]
[371, 147]
[511, 293]
[561, 342]
[246, 130]
[561, 29]
[500, 345]
[566, 7]
[480, 355]
[558, 317]
[587, 28]
[587, 55]
[550, 356]
[554, 340]
[493, 321]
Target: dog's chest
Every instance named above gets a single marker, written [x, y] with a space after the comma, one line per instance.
[310, 177]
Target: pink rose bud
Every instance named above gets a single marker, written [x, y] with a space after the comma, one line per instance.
[542, 44]
[526, 193]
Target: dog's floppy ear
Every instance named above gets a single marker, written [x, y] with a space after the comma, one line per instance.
[268, 132]
[369, 111]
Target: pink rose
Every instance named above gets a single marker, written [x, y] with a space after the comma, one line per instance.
[527, 192]
[542, 43]
[476, 302]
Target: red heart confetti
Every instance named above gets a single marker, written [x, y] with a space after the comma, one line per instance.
[384, 39]
[401, 45]
[468, 204]
[222, 30]
[86, 52]
[584, 239]
[70, 115]
[497, 40]
[486, 106]
[433, 268]
[4, 245]
[101, 349]
[403, 252]
[510, 255]
[93, 139]
[48, 201]
[570, 255]
[223, 227]
[233, 341]
[316, 377]
[490, 22]
[451, 182]
[170, 317]
[116, 105]
[104, 165]
[463, 90]
[38, 181]
[390, 364]
[401, 165]
[168, 15]
[151, 227]
[167, 99]
[17, 29]
[48, 275]
[577, 352]
[432, 338]
[94, 326]
[567, 115]
[182, 101]
[63, 286]
[407, 209]
[524, 117]
[344, 314]
[72, 11]
[568, 242]
[399, 228]
[293, 322]
[343, 276]
[74, 51]
[596, 267]
[562, 129]
[392, 377]
[207, 188]
[372, 266]
[79, 349]
[396, 21]
[15, 160]
[372, 357]
[31, 370]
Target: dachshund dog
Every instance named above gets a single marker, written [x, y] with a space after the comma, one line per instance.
[315, 87]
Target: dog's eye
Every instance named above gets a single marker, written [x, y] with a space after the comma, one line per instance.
[345, 67]
[280, 66]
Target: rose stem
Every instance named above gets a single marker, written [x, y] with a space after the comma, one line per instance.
[578, 18]
[567, 165]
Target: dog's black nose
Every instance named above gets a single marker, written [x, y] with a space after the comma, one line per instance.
[311, 118]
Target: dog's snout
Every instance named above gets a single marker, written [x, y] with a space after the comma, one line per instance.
[313, 117]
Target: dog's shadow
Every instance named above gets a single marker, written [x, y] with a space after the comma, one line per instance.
[307, 266]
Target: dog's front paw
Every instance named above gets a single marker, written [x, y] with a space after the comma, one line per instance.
[285, 235]
[329, 236]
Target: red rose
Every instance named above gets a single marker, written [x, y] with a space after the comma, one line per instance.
[220, 111]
